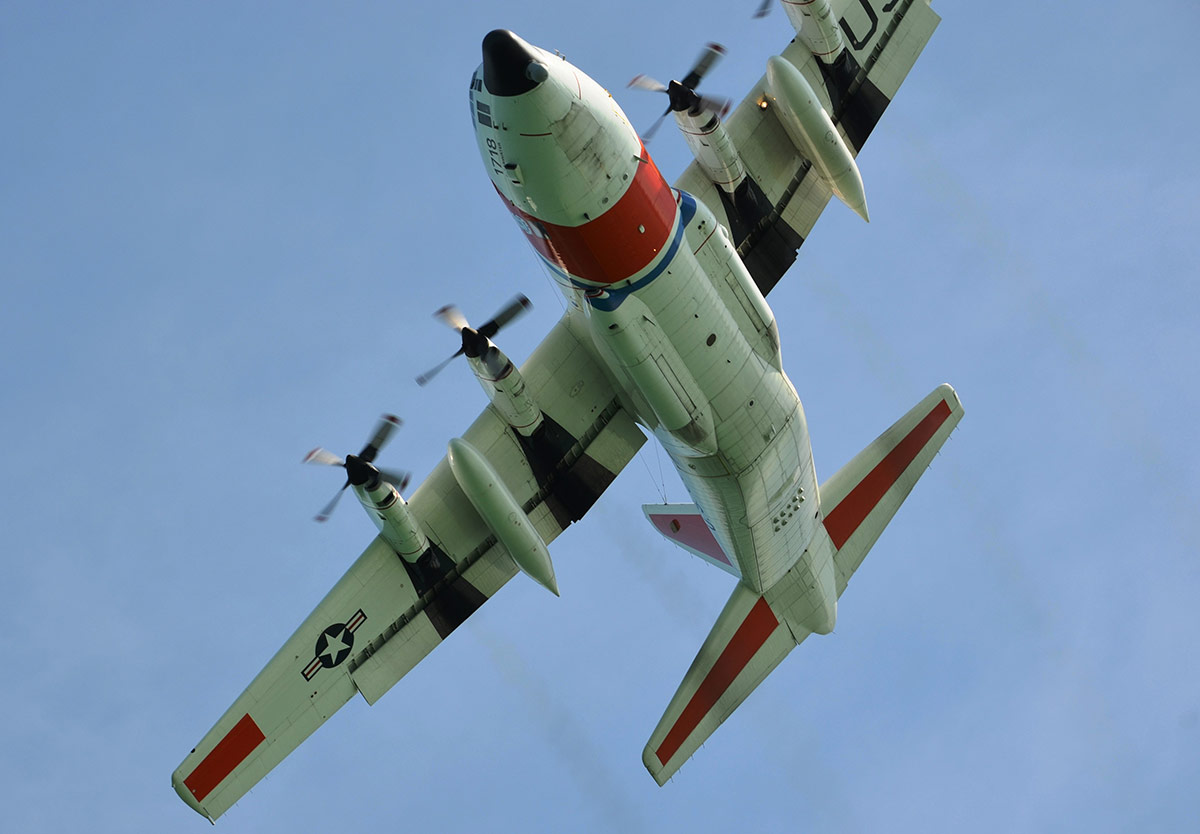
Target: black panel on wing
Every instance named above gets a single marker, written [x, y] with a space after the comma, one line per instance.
[766, 244]
[856, 106]
[451, 602]
[570, 492]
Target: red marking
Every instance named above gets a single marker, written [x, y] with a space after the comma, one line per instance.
[692, 531]
[759, 624]
[230, 752]
[846, 517]
[609, 248]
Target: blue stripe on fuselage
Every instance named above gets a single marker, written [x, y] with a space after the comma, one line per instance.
[610, 299]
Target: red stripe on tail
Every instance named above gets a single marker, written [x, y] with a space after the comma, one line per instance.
[846, 517]
[759, 624]
[230, 752]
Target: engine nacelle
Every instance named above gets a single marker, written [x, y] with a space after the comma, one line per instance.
[817, 27]
[505, 387]
[705, 134]
[814, 133]
[396, 524]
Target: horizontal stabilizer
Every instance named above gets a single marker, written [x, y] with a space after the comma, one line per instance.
[683, 525]
[746, 643]
[863, 496]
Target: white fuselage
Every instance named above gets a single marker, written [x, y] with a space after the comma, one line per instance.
[674, 314]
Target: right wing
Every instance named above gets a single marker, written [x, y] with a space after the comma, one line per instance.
[883, 39]
[384, 615]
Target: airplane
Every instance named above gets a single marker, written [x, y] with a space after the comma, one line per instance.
[668, 333]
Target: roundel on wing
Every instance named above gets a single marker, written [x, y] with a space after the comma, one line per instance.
[334, 645]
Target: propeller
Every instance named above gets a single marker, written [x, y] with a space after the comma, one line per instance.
[683, 93]
[359, 468]
[763, 9]
[474, 340]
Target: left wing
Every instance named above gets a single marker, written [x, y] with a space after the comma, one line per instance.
[785, 195]
[385, 614]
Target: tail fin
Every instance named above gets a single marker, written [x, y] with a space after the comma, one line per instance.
[754, 632]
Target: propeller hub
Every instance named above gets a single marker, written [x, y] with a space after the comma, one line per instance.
[682, 98]
[361, 473]
[473, 343]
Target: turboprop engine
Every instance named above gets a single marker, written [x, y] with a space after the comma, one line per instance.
[378, 490]
[498, 376]
[699, 120]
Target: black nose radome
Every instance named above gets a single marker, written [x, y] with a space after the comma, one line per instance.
[506, 60]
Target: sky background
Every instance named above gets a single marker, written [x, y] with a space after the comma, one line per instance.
[223, 228]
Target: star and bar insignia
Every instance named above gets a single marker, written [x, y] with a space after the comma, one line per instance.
[334, 645]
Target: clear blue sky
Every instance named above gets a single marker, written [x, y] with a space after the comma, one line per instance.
[223, 227]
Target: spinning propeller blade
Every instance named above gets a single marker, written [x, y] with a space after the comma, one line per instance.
[324, 456]
[387, 424]
[645, 82]
[327, 511]
[514, 308]
[712, 53]
[452, 316]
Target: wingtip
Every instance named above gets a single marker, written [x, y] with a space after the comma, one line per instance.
[654, 767]
[186, 795]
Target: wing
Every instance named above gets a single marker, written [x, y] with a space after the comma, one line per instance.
[883, 40]
[385, 614]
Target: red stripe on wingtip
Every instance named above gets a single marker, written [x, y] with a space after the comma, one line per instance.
[230, 752]
[846, 517]
[759, 624]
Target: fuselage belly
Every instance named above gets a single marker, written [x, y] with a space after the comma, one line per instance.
[654, 277]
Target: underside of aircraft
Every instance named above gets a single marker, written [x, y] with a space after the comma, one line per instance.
[667, 333]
